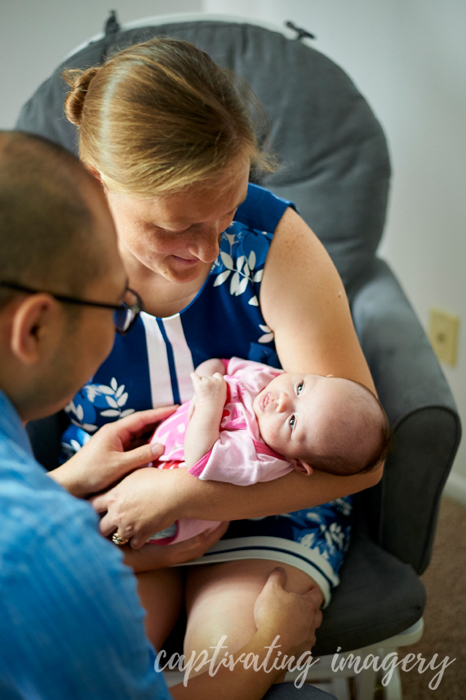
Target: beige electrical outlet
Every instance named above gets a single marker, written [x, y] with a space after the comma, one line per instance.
[443, 334]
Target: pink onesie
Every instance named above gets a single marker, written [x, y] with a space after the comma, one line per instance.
[239, 456]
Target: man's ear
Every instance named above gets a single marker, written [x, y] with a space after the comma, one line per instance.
[300, 466]
[31, 321]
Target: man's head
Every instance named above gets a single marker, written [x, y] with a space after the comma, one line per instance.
[56, 236]
[326, 423]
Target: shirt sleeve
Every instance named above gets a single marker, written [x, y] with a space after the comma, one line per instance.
[238, 459]
[254, 375]
[72, 624]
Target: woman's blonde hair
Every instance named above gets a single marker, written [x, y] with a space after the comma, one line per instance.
[160, 116]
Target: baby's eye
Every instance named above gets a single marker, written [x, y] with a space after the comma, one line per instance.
[292, 422]
[299, 388]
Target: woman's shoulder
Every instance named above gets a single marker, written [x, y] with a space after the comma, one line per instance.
[262, 210]
[245, 244]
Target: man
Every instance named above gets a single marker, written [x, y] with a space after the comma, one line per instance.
[71, 624]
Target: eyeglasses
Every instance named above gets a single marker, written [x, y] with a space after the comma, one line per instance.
[124, 314]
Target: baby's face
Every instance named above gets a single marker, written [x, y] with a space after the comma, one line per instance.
[293, 410]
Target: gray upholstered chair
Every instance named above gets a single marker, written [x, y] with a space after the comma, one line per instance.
[335, 167]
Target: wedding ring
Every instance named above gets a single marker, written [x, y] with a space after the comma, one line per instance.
[116, 539]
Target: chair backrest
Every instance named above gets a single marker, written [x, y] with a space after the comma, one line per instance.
[335, 167]
[334, 158]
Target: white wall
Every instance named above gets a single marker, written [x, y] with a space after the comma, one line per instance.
[35, 36]
[408, 57]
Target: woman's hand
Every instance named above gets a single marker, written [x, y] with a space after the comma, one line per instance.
[155, 556]
[112, 453]
[143, 503]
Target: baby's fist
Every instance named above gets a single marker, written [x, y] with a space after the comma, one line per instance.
[209, 389]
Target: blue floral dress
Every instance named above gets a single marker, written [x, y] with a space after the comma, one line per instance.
[151, 367]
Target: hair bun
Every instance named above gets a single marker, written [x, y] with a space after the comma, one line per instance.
[79, 81]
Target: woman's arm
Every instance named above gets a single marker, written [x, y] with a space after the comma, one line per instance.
[304, 302]
[156, 556]
[149, 500]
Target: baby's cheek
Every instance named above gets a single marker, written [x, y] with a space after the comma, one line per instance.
[270, 434]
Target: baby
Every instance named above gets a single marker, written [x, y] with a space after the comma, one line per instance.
[249, 422]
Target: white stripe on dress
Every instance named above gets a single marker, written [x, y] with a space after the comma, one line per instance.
[182, 356]
[159, 371]
[285, 552]
[279, 542]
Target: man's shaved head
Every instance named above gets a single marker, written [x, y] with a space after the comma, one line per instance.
[48, 236]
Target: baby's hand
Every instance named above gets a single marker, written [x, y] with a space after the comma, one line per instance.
[209, 389]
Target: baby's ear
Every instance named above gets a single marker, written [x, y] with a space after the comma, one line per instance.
[300, 466]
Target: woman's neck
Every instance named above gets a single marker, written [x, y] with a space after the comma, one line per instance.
[161, 297]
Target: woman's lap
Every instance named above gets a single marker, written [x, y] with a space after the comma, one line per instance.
[313, 541]
[223, 585]
[161, 595]
[220, 601]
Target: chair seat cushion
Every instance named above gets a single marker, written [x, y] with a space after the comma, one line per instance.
[379, 596]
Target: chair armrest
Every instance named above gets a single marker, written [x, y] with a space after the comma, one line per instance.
[421, 410]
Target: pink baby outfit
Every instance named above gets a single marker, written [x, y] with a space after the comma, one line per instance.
[239, 456]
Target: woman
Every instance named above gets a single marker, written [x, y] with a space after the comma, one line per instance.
[168, 135]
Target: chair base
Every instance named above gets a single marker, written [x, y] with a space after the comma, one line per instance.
[333, 673]
[366, 668]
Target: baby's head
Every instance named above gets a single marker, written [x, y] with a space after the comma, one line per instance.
[326, 423]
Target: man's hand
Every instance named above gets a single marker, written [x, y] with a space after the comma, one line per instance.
[295, 617]
[113, 452]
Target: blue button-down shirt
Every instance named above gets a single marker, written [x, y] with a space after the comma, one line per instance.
[71, 625]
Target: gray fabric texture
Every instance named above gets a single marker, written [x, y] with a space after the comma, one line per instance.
[335, 166]
[421, 410]
[288, 691]
[378, 597]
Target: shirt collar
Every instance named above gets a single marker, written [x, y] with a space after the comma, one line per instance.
[11, 425]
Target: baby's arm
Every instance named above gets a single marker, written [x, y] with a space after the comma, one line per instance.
[209, 367]
[204, 427]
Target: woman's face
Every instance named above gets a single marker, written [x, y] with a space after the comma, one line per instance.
[177, 236]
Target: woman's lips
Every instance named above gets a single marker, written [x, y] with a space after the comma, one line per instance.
[185, 261]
